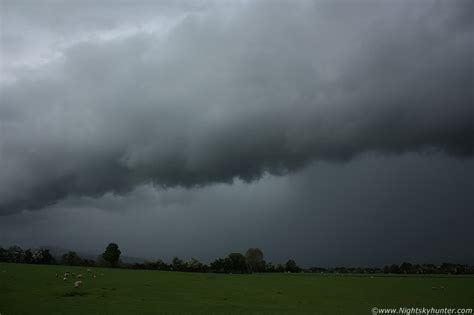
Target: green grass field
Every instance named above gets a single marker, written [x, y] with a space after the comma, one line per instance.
[34, 289]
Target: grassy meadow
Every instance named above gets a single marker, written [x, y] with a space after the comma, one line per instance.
[35, 289]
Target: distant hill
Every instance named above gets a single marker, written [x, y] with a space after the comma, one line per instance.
[57, 252]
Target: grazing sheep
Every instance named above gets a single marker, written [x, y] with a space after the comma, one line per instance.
[94, 276]
[79, 276]
[66, 274]
[77, 284]
[65, 278]
[88, 270]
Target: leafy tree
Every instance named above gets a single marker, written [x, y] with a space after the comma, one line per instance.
[15, 254]
[291, 266]
[46, 257]
[280, 268]
[269, 267]
[254, 260]
[317, 269]
[194, 265]
[394, 268]
[236, 262]
[228, 265]
[429, 268]
[71, 258]
[461, 269]
[339, 269]
[178, 264]
[416, 268]
[405, 267]
[161, 265]
[448, 268]
[3, 255]
[28, 256]
[112, 254]
[218, 265]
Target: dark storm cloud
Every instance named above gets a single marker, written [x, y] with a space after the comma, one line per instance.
[237, 93]
[373, 210]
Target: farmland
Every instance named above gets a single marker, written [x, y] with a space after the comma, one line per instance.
[35, 289]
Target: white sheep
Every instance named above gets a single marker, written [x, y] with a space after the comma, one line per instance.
[79, 276]
[77, 284]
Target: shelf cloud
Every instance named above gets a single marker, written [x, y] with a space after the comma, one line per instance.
[234, 94]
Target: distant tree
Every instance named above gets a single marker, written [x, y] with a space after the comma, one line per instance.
[161, 265]
[71, 258]
[28, 256]
[394, 268]
[178, 264]
[416, 268]
[46, 257]
[112, 254]
[218, 265]
[228, 264]
[340, 269]
[279, 268]
[254, 260]
[461, 269]
[37, 256]
[448, 268]
[429, 268]
[194, 265]
[406, 267]
[236, 262]
[3, 255]
[269, 267]
[15, 254]
[291, 266]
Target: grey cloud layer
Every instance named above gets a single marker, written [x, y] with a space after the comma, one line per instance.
[403, 208]
[235, 94]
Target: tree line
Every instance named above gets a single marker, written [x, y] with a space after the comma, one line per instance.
[15, 254]
[250, 262]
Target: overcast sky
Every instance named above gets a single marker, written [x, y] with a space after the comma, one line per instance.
[335, 133]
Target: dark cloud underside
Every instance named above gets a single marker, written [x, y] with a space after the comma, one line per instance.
[267, 88]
